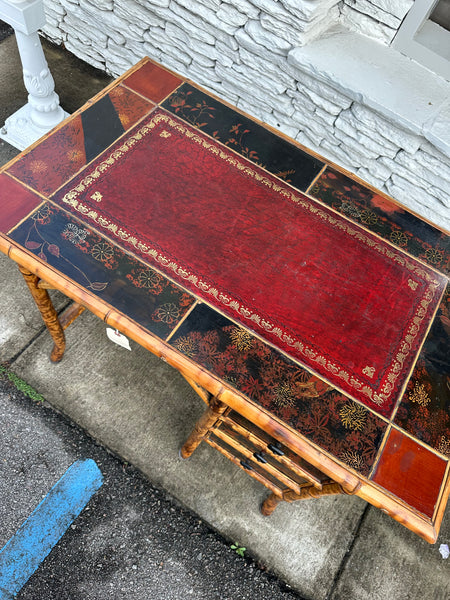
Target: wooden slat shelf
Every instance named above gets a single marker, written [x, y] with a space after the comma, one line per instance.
[261, 456]
[274, 448]
[256, 470]
[251, 453]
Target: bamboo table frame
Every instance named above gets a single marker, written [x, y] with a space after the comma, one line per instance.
[321, 472]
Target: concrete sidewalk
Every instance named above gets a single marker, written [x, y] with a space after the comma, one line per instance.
[333, 549]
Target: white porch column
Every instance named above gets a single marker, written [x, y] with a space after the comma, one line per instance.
[42, 112]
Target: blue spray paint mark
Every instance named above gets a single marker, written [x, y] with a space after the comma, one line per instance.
[32, 542]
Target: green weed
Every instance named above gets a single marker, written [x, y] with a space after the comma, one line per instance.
[20, 384]
[239, 549]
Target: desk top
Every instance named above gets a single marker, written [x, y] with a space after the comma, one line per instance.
[318, 303]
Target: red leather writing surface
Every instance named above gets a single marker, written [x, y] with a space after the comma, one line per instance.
[332, 295]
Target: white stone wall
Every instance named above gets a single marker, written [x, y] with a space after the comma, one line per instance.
[240, 49]
[379, 19]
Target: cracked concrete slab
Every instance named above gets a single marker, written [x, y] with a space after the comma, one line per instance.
[389, 561]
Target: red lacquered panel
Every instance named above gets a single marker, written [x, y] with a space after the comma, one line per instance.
[411, 472]
[17, 202]
[130, 107]
[153, 82]
[54, 160]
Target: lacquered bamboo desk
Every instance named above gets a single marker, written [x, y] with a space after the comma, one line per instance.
[309, 311]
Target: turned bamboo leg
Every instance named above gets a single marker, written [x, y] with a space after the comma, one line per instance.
[270, 504]
[48, 313]
[328, 489]
[203, 425]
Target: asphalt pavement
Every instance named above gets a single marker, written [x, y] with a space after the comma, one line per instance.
[132, 541]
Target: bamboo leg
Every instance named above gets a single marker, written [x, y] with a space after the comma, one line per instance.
[203, 425]
[328, 489]
[48, 313]
[270, 504]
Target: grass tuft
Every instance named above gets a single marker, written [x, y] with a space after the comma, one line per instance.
[20, 384]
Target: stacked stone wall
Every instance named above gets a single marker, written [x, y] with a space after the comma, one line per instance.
[239, 49]
[379, 19]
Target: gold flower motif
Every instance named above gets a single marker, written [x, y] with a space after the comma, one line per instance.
[149, 279]
[74, 155]
[187, 346]
[419, 395]
[241, 339]
[350, 209]
[444, 445]
[413, 284]
[42, 213]
[102, 251]
[97, 196]
[38, 166]
[353, 417]
[74, 234]
[434, 256]
[368, 217]
[167, 313]
[369, 371]
[399, 238]
[353, 459]
[284, 395]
